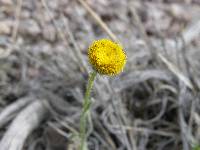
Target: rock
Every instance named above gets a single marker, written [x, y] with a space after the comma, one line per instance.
[25, 14]
[30, 5]
[5, 27]
[7, 7]
[49, 33]
[29, 27]
[4, 53]
[179, 12]
[158, 21]
[4, 40]
[53, 5]
[6, 2]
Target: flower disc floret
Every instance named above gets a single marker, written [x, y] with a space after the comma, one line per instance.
[107, 57]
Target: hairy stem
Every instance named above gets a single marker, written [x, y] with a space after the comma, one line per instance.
[85, 110]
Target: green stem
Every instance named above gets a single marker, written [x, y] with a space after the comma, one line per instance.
[85, 109]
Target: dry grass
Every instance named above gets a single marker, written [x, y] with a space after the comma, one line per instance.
[153, 105]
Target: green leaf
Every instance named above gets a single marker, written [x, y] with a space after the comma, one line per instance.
[197, 147]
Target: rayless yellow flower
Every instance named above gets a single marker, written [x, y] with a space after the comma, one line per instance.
[107, 57]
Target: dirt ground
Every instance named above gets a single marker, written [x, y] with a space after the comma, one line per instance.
[153, 105]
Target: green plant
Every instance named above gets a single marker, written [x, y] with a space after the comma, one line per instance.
[106, 58]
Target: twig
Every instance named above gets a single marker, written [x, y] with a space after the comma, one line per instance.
[99, 20]
[185, 133]
[60, 32]
[142, 31]
[170, 66]
[13, 108]
[26, 121]
[175, 70]
[17, 19]
[7, 52]
[60, 131]
[147, 130]
[77, 51]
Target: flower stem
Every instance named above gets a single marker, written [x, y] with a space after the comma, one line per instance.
[85, 110]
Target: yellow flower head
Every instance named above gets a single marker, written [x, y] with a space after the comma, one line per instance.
[107, 57]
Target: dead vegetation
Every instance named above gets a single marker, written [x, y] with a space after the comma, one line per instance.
[153, 105]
